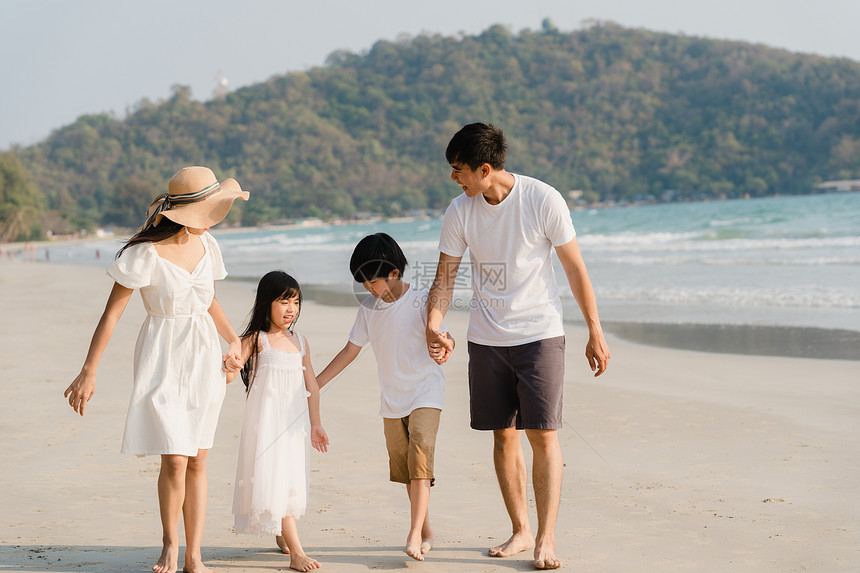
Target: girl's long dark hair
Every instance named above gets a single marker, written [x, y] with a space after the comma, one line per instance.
[152, 234]
[275, 285]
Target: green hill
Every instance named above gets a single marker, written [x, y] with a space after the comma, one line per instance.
[614, 112]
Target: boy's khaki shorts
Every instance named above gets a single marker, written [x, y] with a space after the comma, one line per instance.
[411, 441]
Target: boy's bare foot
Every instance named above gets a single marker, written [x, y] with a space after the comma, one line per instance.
[414, 551]
[303, 563]
[517, 543]
[426, 544]
[282, 544]
[167, 563]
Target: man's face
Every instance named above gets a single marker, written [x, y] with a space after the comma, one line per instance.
[472, 182]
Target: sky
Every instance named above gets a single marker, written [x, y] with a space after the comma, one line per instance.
[65, 58]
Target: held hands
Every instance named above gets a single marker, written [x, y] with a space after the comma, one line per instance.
[80, 391]
[233, 358]
[319, 439]
[439, 345]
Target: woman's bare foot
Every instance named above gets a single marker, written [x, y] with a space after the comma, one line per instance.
[167, 563]
[194, 564]
[282, 544]
[303, 563]
[517, 543]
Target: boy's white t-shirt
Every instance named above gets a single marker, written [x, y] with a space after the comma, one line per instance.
[515, 296]
[408, 377]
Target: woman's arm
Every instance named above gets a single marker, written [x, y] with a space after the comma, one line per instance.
[222, 325]
[343, 359]
[240, 361]
[82, 388]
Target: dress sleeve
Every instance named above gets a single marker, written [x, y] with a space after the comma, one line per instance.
[133, 268]
[219, 272]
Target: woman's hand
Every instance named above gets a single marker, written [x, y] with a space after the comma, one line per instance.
[319, 439]
[80, 391]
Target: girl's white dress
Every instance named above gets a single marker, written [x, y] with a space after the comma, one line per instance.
[178, 382]
[273, 474]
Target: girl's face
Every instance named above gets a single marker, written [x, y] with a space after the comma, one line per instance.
[283, 312]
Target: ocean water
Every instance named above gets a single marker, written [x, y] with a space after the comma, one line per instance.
[781, 261]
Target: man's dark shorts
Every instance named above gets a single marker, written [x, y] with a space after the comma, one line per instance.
[517, 386]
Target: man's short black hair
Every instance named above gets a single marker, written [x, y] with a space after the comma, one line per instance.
[375, 256]
[476, 144]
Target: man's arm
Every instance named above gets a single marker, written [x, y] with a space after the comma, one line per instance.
[596, 350]
[439, 300]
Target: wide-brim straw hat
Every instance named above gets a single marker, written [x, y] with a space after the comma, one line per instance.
[195, 198]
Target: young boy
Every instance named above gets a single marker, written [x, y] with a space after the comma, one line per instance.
[394, 320]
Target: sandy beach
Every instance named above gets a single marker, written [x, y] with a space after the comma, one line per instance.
[675, 460]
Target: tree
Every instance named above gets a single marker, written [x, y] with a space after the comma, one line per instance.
[20, 202]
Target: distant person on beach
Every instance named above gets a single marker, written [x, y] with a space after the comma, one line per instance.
[392, 319]
[282, 420]
[510, 224]
[179, 382]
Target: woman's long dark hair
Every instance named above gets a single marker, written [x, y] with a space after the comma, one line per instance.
[274, 285]
[152, 234]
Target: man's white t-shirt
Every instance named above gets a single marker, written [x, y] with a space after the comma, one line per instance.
[408, 377]
[515, 296]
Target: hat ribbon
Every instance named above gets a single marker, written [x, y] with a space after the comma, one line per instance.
[167, 201]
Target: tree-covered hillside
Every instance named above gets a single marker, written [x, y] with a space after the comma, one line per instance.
[617, 113]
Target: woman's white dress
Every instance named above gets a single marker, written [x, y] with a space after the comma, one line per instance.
[273, 473]
[178, 382]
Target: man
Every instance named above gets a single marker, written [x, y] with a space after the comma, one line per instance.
[510, 224]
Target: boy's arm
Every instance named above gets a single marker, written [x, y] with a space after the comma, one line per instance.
[343, 359]
[596, 350]
[439, 299]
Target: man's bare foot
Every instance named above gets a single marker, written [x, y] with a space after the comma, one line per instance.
[167, 563]
[303, 563]
[195, 565]
[545, 557]
[517, 543]
[282, 544]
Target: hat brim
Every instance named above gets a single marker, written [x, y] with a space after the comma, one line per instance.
[210, 211]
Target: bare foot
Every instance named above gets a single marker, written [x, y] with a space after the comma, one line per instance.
[195, 565]
[282, 544]
[545, 558]
[426, 544]
[167, 563]
[517, 543]
[414, 551]
[303, 563]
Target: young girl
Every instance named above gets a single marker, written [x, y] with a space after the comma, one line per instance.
[178, 378]
[281, 411]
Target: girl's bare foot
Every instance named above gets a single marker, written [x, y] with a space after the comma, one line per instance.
[517, 543]
[282, 544]
[303, 563]
[167, 563]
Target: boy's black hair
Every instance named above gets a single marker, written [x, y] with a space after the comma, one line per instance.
[375, 256]
[274, 285]
[476, 144]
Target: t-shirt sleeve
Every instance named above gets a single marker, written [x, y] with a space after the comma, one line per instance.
[133, 268]
[219, 272]
[452, 239]
[359, 334]
[558, 225]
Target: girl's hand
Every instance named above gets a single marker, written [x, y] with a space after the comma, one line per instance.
[80, 391]
[319, 439]
[232, 363]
